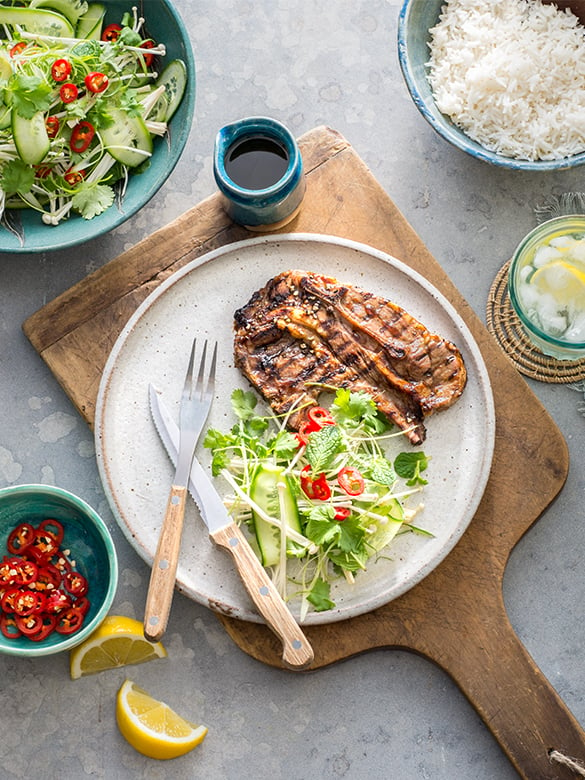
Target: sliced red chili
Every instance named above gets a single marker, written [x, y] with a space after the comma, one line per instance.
[8, 626]
[314, 488]
[83, 604]
[303, 433]
[20, 538]
[61, 69]
[28, 624]
[48, 578]
[70, 621]
[8, 599]
[320, 416]
[43, 546]
[15, 50]
[26, 572]
[68, 92]
[111, 33]
[342, 513]
[75, 583]
[57, 600]
[53, 527]
[7, 571]
[52, 125]
[351, 481]
[28, 602]
[96, 82]
[46, 627]
[73, 178]
[81, 137]
[148, 57]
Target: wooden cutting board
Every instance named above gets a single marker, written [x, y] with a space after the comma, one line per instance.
[456, 616]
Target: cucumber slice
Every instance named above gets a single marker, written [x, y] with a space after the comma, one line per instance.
[5, 116]
[385, 532]
[174, 80]
[30, 137]
[264, 492]
[37, 21]
[70, 9]
[128, 139]
[89, 26]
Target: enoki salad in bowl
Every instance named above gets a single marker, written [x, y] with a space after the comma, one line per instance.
[80, 105]
[321, 503]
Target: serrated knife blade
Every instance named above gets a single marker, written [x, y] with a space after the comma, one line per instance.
[297, 652]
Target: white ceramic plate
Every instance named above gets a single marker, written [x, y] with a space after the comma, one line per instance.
[200, 300]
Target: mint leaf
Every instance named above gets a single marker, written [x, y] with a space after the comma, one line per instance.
[17, 176]
[319, 596]
[409, 466]
[322, 447]
[381, 471]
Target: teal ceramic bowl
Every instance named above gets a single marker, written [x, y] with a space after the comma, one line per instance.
[416, 18]
[90, 545]
[164, 24]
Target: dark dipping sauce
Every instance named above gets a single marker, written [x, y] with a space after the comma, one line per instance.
[256, 162]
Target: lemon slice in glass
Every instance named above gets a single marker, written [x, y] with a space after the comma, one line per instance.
[152, 727]
[563, 281]
[119, 641]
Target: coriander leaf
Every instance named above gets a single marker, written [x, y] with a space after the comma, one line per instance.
[351, 536]
[29, 94]
[92, 199]
[243, 404]
[351, 561]
[285, 444]
[409, 466]
[17, 176]
[323, 445]
[319, 596]
[321, 528]
[354, 409]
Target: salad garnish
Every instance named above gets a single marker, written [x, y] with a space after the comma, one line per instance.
[78, 114]
[322, 503]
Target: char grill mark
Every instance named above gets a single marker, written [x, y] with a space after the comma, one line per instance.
[303, 331]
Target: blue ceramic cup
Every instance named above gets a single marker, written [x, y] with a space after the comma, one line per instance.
[259, 171]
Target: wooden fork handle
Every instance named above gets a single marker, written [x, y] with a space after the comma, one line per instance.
[164, 567]
[297, 652]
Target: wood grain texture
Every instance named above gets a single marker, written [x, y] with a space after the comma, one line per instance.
[164, 567]
[296, 653]
[456, 616]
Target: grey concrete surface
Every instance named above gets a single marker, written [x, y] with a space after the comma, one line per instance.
[383, 715]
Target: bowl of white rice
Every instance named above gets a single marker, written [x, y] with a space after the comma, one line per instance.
[502, 81]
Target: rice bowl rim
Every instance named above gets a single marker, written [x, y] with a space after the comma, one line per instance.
[422, 97]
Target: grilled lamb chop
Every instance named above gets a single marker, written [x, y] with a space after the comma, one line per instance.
[303, 331]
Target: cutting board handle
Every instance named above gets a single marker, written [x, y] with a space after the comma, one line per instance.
[516, 701]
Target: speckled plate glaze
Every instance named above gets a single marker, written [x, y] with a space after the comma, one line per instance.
[200, 301]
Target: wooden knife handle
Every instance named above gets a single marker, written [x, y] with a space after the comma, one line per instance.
[297, 652]
[164, 567]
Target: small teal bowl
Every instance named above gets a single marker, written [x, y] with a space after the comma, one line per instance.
[416, 18]
[265, 209]
[164, 24]
[91, 546]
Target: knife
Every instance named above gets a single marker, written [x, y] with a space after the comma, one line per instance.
[297, 652]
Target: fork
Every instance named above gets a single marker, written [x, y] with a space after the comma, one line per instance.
[195, 405]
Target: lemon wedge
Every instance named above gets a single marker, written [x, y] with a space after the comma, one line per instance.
[563, 281]
[119, 641]
[152, 727]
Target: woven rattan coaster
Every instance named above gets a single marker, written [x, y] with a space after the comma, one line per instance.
[505, 326]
